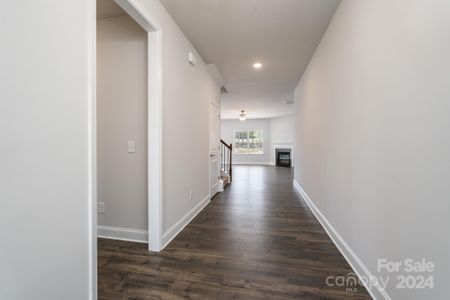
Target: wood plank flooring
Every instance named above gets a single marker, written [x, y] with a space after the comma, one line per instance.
[256, 240]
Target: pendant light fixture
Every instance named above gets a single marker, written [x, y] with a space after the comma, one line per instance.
[242, 116]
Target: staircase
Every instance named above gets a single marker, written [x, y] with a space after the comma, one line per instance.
[226, 163]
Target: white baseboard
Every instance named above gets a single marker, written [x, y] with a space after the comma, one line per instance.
[122, 234]
[173, 231]
[252, 163]
[357, 265]
[215, 188]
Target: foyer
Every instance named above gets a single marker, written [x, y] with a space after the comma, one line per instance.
[224, 149]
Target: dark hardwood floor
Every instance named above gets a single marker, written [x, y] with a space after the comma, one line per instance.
[256, 240]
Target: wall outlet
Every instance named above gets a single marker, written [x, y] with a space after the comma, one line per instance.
[101, 207]
[190, 196]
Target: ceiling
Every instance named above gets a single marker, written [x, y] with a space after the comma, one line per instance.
[108, 9]
[234, 34]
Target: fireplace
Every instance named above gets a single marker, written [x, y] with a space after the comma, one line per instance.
[283, 158]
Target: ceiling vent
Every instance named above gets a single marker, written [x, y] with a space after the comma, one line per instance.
[289, 99]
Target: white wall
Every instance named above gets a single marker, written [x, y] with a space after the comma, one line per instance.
[227, 132]
[45, 169]
[122, 117]
[44, 146]
[372, 134]
[282, 130]
[187, 92]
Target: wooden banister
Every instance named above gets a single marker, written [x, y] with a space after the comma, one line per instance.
[227, 158]
[230, 146]
[231, 163]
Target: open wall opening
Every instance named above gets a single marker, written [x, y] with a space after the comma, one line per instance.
[261, 141]
[122, 124]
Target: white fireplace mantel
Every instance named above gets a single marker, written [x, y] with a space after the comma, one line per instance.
[282, 146]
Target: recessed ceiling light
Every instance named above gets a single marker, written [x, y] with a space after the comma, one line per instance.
[257, 65]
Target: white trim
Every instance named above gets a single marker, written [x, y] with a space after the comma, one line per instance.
[92, 146]
[155, 122]
[155, 140]
[354, 261]
[252, 163]
[289, 146]
[214, 189]
[122, 234]
[135, 12]
[173, 231]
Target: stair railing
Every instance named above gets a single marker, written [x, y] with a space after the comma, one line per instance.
[226, 158]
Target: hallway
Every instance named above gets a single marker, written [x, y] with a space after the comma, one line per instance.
[256, 240]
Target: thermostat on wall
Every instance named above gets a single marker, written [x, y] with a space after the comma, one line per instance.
[191, 58]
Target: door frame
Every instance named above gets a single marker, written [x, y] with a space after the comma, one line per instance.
[216, 108]
[155, 131]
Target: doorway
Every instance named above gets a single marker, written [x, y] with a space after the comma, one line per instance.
[214, 150]
[129, 116]
[127, 110]
[122, 137]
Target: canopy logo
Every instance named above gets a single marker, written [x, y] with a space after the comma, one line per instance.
[351, 282]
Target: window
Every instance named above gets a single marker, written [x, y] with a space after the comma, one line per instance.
[248, 142]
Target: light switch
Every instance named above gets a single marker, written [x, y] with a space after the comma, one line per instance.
[130, 146]
[101, 208]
